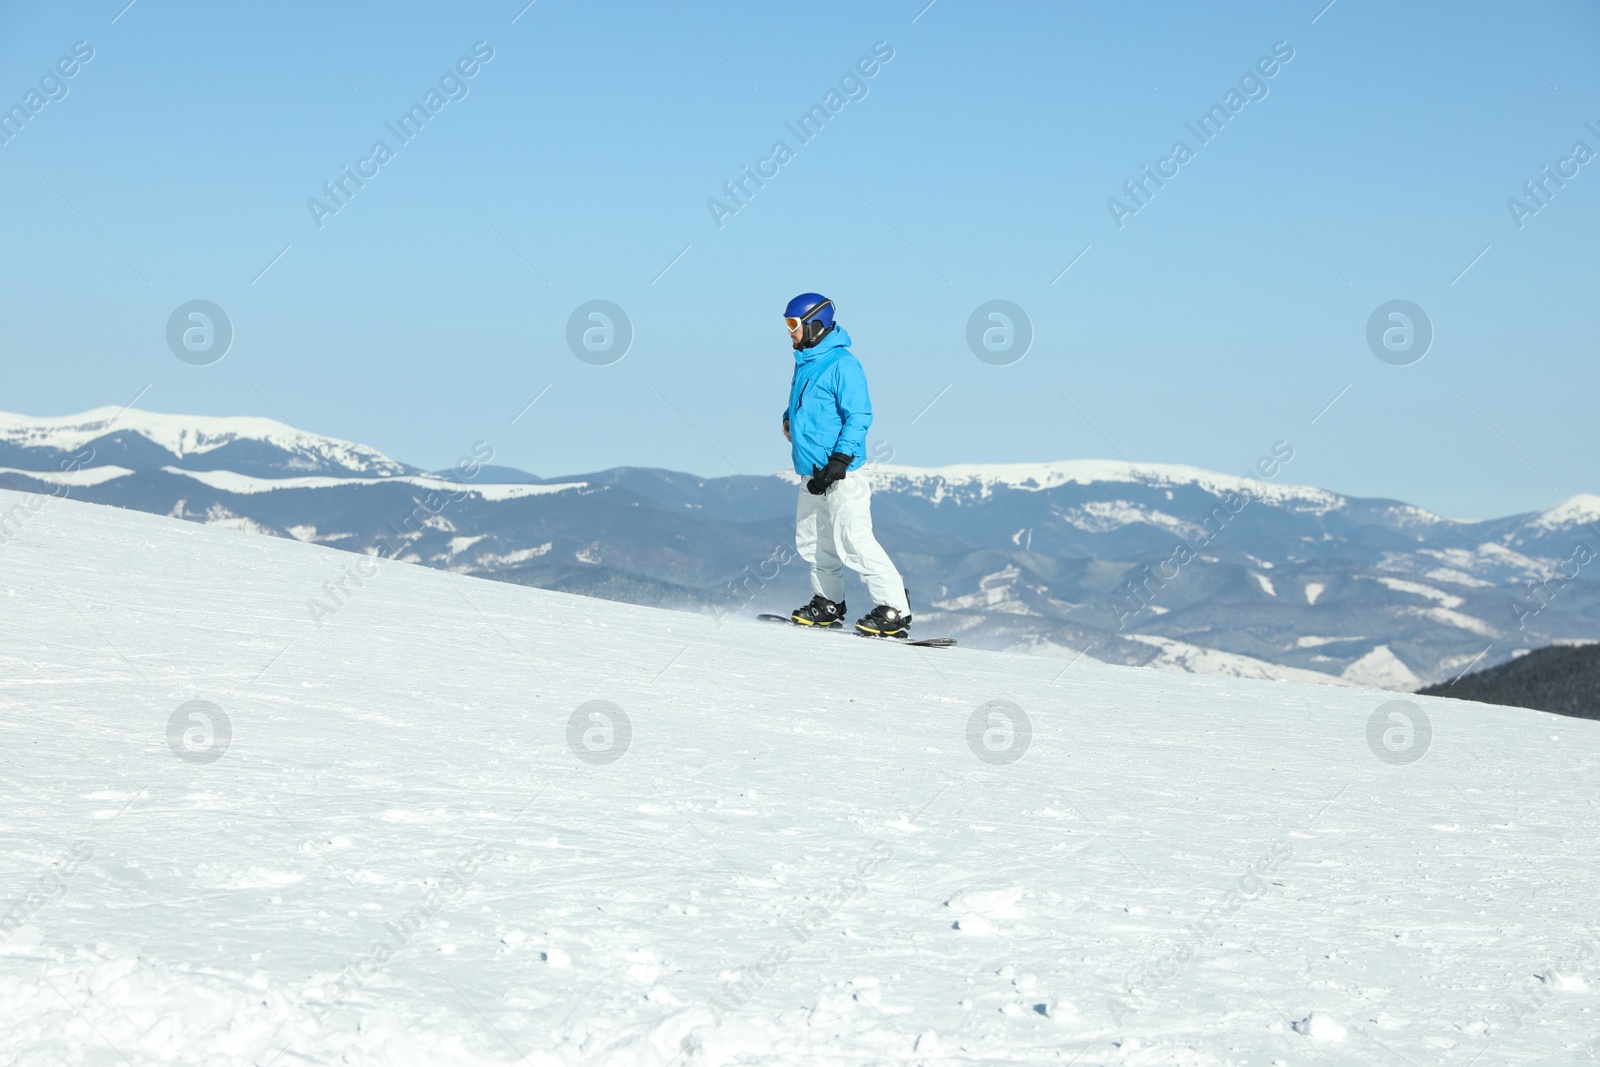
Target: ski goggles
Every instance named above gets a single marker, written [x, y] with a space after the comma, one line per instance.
[794, 323]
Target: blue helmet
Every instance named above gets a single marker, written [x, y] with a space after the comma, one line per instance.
[815, 313]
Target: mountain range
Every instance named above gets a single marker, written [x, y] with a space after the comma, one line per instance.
[1130, 563]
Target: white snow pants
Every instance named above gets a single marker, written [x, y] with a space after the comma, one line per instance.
[834, 531]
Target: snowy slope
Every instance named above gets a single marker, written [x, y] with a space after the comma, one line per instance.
[1574, 512]
[797, 856]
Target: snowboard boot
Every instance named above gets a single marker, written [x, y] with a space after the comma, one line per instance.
[885, 621]
[820, 612]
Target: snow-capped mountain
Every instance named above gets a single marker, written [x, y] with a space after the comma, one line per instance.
[1140, 563]
[140, 440]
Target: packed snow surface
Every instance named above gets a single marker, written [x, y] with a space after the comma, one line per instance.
[400, 830]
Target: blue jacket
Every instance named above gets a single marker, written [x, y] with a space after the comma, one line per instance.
[829, 410]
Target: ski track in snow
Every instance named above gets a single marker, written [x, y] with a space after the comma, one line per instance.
[797, 860]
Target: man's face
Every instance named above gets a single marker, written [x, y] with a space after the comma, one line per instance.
[795, 333]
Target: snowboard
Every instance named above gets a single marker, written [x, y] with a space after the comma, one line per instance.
[915, 642]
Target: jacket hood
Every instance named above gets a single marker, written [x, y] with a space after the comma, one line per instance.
[837, 338]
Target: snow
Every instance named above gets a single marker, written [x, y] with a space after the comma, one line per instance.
[511, 559]
[1400, 585]
[1034, 477]
[996, 591]
[1320, 1026]
[1580, 510]
[1314, 590]
[466, 822]
[233, 482]
[1304, 641]
[1103, 516]
[1570, 983]
[73, 475]
[1197, 659]
[1503, 555]
[1382, 669]
[1455, 577]
[1459, 620]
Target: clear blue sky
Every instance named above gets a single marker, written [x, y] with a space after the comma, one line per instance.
[1222, 317]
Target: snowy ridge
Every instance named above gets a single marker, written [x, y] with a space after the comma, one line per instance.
[73, 476]
[187, 435]
[419, 846]
[1196, 659]
[230, 482]
[248, 484]
[1035, 477]
[1580, 510]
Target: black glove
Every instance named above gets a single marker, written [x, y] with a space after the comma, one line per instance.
[838, 463]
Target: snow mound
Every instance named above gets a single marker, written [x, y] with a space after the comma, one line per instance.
[1320, 1026]
[1564, 981]
[989, 903]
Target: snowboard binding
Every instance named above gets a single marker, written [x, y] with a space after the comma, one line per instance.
[820, 612]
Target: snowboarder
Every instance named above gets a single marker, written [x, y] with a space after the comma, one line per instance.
[826, 424]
